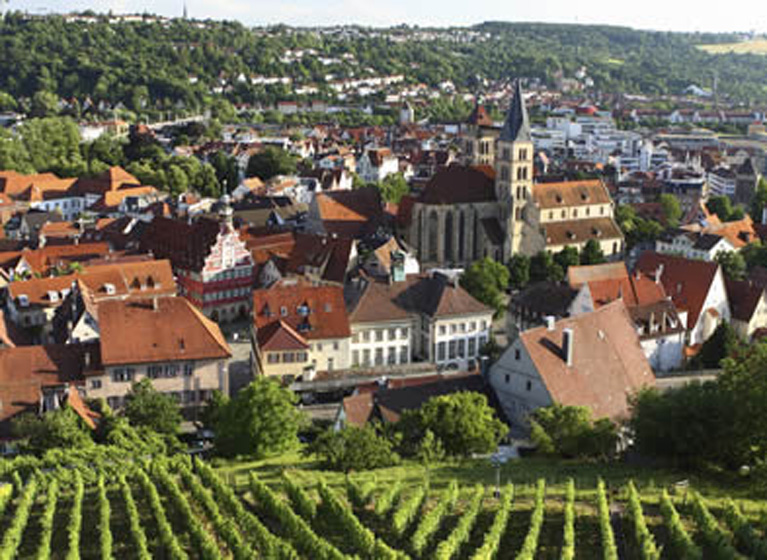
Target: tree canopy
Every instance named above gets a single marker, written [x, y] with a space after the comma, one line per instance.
[486, 280]
[146, 406]
[262, 419]
[269, 163]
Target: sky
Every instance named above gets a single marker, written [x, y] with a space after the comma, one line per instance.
[735, 15]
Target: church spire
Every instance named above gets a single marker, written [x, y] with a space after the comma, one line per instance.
[517, 125]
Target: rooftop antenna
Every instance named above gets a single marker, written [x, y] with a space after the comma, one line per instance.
[186, 13]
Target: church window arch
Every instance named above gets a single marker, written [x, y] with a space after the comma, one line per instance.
[432, 233]
[448, 255]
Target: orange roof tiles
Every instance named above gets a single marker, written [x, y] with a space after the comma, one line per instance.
[570, 193]
[315, 312]
[687, 281]
[608, 361]
[134, 332]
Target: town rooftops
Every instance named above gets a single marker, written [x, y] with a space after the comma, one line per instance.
[608, 363]
[429, 294]
[118, 280]
[460, 184]
[314, 312]
[579, 275]
[157, 330]
[687, 281]
[353, 213]
[744, 297]
[570, 193]
[26, 370]
[572, 232]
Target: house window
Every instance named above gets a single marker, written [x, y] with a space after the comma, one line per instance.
[404, 332]
[508, 378]
[366, 336]
[379, 335]
[188, 370]
[273, 358]
[392, 334]
[96, 384]
[366, 357]
[123, 374]
[330, 364]
[442, 329]
[335, 346]
[472, 347]
[472, 326]
[453, 328]
[355, 358]
[379, 357]
[440, 352]
[462, 348]
[529, 385]
[114, 402]
[356, 337]
[391, 357]
[516, 353]
[451, 349]
[483, 325]
[404, 355]
[288, 357]
[284, 311]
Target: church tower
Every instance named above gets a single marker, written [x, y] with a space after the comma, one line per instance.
[514, 171]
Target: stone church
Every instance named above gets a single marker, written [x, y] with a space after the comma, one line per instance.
[488, 206]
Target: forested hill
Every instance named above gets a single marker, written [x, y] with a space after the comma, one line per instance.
[155, 64]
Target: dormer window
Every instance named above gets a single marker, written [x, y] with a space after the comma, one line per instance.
[328, 308]
[303, 309]
[584, 196]
[284, 311]
[266, 312]
[135, 285]
[559, 198]
[53, 296]
[571, 235]
[150, 282]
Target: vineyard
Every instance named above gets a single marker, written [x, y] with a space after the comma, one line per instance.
[178, 510]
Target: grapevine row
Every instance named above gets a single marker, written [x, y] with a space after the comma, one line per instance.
[536, 522]
[713, 535]
[609, 549]
[12, 537]
[76, 519]
[568, 540]
[360, 537]
[105, 533]
[139, 537]
[683, 545]
[408, 509]
[302, 504]
[744, 533]
[432, 520]
[223, 526]
[450, 546]
[492, 540]
[267, 544]
[359, 493]
[385, 502]
[644, 538]
[204, 542]
[6, 493]
[167, 536]
[298, 530]
[46, 521]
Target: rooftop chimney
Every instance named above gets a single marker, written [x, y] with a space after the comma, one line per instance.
[658, 273]
[155, 304]
[568, 341]
[550, 322]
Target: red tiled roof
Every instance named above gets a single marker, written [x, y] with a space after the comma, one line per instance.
[325, 314]
[744, 297]
[458, 184]
[25, 370]
[687, 281]
[608, 361]
[134, 332]
[570, 193]
[351, 213]
[279, 335]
